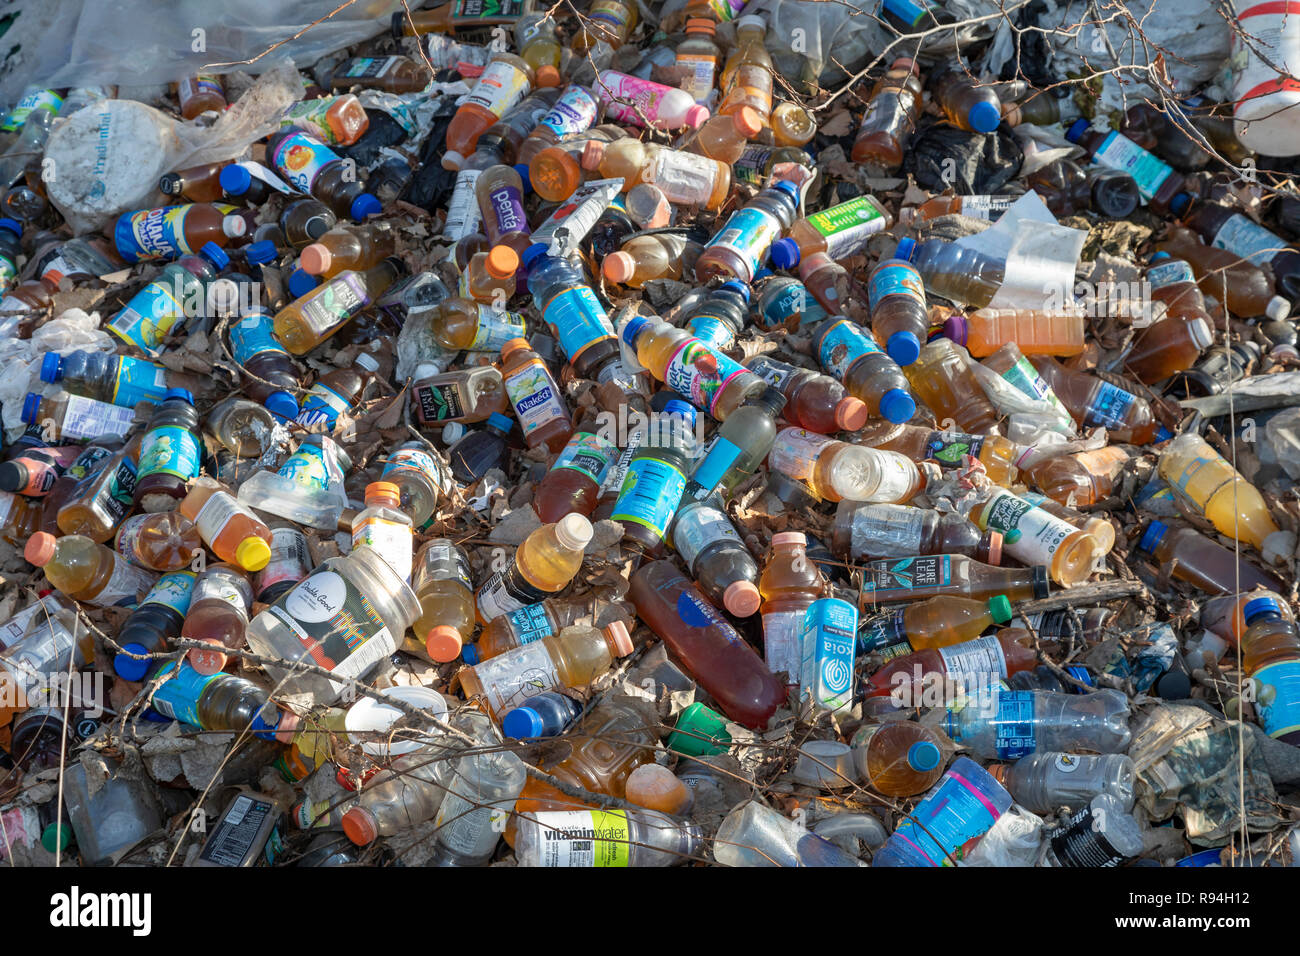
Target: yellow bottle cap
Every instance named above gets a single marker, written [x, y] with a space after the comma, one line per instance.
[253, 554]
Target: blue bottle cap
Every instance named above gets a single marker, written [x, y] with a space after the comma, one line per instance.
[132, 668]
[469, 654]
[763, 273]
[1257, 608]
[1158, 256]
[183, 394]
[736, 286]
[633, 328]
[51, 367]
[300, 283]
[235, 180]
[1178, 205]
[923, 755]
[364, 206]
[906, 249]
[683, 410]
[1077, 129]
[215, 254]
[785, 253]
[984, 117]
[1152, 536]
[788, 188]
[259, 252]
[31, 407]
[497, 420]
[897, 406]
[904, 348]
[532, 254]
[522, 170]
[261, 728]
[13, 225]
[521, 723]
[1163, 434]
[282, 405]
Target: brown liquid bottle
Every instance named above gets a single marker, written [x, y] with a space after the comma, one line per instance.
[790, 583]
[966, 103]
[943, 380]
[573, 482]
[100, 502]
[463, 395]
[450, 17]
[891, 581]
[1168, 347]
[347, 247]
[1094, 403]
[1082, 479]
[998, 455]
[195, 184]
[891, 114]
[199, 94]
[1201, 561]
[1244, 288]
[813, 401]
[392, 74]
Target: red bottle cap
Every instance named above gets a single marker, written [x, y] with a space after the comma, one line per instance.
[359, 825]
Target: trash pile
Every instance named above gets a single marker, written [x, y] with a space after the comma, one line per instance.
[769, 434]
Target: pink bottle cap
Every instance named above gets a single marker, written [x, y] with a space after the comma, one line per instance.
[789, 538]
[851, 413]
[741, 598]
[315, 259]
[697, 116]
[40, 548]
[592, 154]
[619, 266]
[617, 632]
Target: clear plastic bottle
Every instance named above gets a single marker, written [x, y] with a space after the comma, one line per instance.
[217, 616]
[1101, 834]
[562, 838]
[892, 111]
[985, 331]
[646, 257]
[538, 47]
[535, 396]
[305, 220]
[391, 74]
[637, 102]
[158, 309]
[699, 56]
[1023, 722]
[504, 82]
[572, 114]
[346, 248]
[1202, 478]
[1191, 556]
[290, 562]
[1034, 536]
[998, 455]
[572, 483]
[655, 480]
[86, 571]
[958, 273]
[382, 527]
[402, 796]
[69, 418]
[943, 380]
[169, 452]
[789, 585]
[870, 531]
[164, 541]
[607, 21]
[1245, 288]
[270, 375]
[479, 451]
[739, 248]
[481, 791]
[739, 446]
[119, 379]
[308, 488]
[835, 470]
[900, 758]
[217, 701]
[714, 383]
[569, 306]
[967, 104]
[307, 322]
[543, 565]
[1045, 782]
[233, 532]
[685, 178]
[851, 356]
[894, 581]
[746, 78]
[719, 562]
[523, 626]
[49, 641]
[443, 584]
[975, 664]
[957, 811]
[1081, 479]
[840, 231]
[1095, 403]
[555, 171]
[929, 625]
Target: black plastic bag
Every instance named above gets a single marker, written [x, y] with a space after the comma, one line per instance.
[943, 157]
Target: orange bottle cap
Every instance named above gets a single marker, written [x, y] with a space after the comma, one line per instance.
[40, 548]
[747, 122]
[547, 76]
[207, 660]
[513, 345]
[554, 174]
[995, 548]
[359, 825]
[443, 643]
[619, 266]
[315, 259]
[701, 25]
[617, 632]
[502, 262]
[789, 538]
[741, 598]
[851, 413]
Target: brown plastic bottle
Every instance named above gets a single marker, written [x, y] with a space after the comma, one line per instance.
[1081, 479]
[307, 322]
[305, 220]
[608, 21]
[195, 184]
[199, 94]
[938, 622]
[92, 460]
[536, 396]
[1094, 403]
[998, 455]
[1173, 282]
[392, 74]
[724, 138]
[490, 276]
[1201, 561]
[20, 518]
[347, 247]
[891, 581]
[450, 17]
[572, 484]
[504, 82]
[863, 530]
[1244, 288]
[943, 380]
[699, 55]
[645, 257]
[526, 625]
[1168, 347]
[1036, 332]
[891, 114]
[812, 400]
[966, 103]
[163, 541]
[790, 583]
[556, 171]
[218, 616]
[99, 503]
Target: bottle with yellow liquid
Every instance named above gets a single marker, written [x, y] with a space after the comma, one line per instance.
[443, 584]
[747, 74]
[1033, 536]
[1271, 656]
[1200, 476]
[307, 322]
[545, 563]
[474, 326]
[608, 21]
[927, 625]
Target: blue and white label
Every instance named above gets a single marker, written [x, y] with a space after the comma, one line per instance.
[650, 494]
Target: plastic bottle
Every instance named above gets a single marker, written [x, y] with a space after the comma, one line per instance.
[97, 505]
[543, 565]
[739, 446]
[481, 791]
[998, 455]
[892, 111]
[86, 571]
[499, 192]
[271, 377]
[555, 171]
[1035, 332]
[346, 617]
[1270, 649]
[165, 541]
[216, 702]
[290, 563]
[869, 531]
[563, 838]
[976, 663]
[898, 313]
[336, 120]
[699, 56]
[754, 834]
[504, 82]
[840, 231]
[756, 163]
[1201, 477]
[572, 483]
[813, 401]
[346, 248]
[199, 94]
[739, 248]
[307, 322]
[402, 796]
[1243, 287]
[1224, 228]
[1261, 98]
[170, 450]
[714, 383]
[1158, 183]
[1094, 403]
[35, 472]
[1034, 536]
[945, 825]
[852, 356]
[169, 232]
[523, 626]
[1045, 782]
[685, 178]
[892, 581]
[573, 658]
[233, 532]
[44, 640]
[607, 21]
[569, 306]
[900, 758]
[474, 455]
[443, 584]
[835, 470]
[251, 184]
[490, 276]
[464, 324]
[789, 585]
[572, 114]
[656, 478]
[1022, 722]
[1192, 557]
[627, 99]
[1068, 189]
[831, 285]
[929, 625]
[159, 307]
[118, 379]
[967, 105]
[646, 257]
[706, 645]
[217, 616]
[457, 15]
[985, 207]
[1081, 479]
[1101, 834]
[391, 74]
[959, 273]
[746, 79]
[384, 528]
[71, 418]
[460, 395]
[305, 220]
[718, 560]
[154, 625]
[312, 168]
[792, 124]
[308, 488]
[535, 396]
[538, 47]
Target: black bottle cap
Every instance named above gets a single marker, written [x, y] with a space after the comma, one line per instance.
[13, 475]
[1174, 684]
[770, 398]
[1040, 582]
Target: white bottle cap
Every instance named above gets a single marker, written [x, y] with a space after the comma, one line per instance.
[425, 370]
[453, 432]
[1200, 332]
[1212, 646]
[574, 532]
[368, 362]
[1277, 308]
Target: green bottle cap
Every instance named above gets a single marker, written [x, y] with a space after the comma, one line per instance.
[699, 732]
[1000, 608]
[56, 837]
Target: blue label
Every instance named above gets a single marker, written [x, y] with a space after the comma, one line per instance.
[178, 696]
[909, 11]
[721, 455]
[843, 344]
[152, 312]
[1015, 724]
[1108, 408]
[711, 331]
[1281, 715]
[792, 300]
[651, 492]
[949, 820]
[578, 319]
[829, 629]
[894, 278]
[152, 233]
[174, 591]
[322, 404]
[749, 233]
[170, 450]
[530, 623]
[307, 467]
[252, 336]
[139, 381]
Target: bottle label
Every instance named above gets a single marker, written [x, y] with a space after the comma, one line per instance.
[1081, 842]
[177, 696]
[1249, 240]
[1281, 715]
[264, 175]
[696, 612]
[895, 278]
[685, 178]
[463, 213]
[145, 321]
[533, 393]
[981, 659]
[370, 67]
[125, 585]
[118, 500]
[889, 111]
[1170, 273]
[843, 344]
[711, 331]
[470, 829]
[588, 455]
[584, 838]
[507, 207]
[393, 540]
[792, 302]
[890, 581]
[216, 514]
[290, 560]
[771, 371]
[651, 492]
[1032, 535]
[700, 68]
[510, 679]
[334, 303]
[47, 100]
[611, 12]
[1119, 152]
[501, 86]
[883, 531]
[338, 627]
[417, 461]
[322, 405]
[847, 227]
[642, 98]
[307, 467]
[496, 327]
[529, 624]
[949, 448]
[826, 660]
[174, 590]
[782, 648]
[85, 418]
[718, 458]
[701, 528]
[701, 374]
[507, 591]
[300, 159]
[486, 9]
[882, 632]
[442, 561]
[152, 234]
[749, 234]
[128, 534]
[578, 320]
[312, 116]
[573, 112]
[1110, 406]
[193, 86]
[989, 208]
[225, 585]
[795, 452]
[1014, 725]
[253, 336]
[436, 403]
[170, 450]
[1025, 377]
[949, 821]
[138, 381]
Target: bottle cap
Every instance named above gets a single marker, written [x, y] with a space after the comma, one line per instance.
[923, 755]
[497, 420]
[574, 532]
[502, 262]
[235, 179]
[904, 348]
[179, 394]
[443, 643]
[315, 259]
[751, 20]
[282, 405]
[132, 668]
[253, 554]
[747, 121]
[1277, 308]
[993, 548]
[260, 252]
[367, 361]
[31, 407]
[617, 632]
[1158, 257]
[619, 267]
[1000, 608]
[56, 837]
[633, 327]
[522, 723]
[851, 414]
[382, 489]
[452, 160]
[532, 254]
[1163, 434]
[791, 538]
[741, 598]
[592, 154]
[998, 771]
[683, 410]
[359, 825]
[736, 286]
[365, 206]
[784, 253]
[546, 76]
[13, 475]
[697, 116]
[317, 226]
[897, 406]
[215, 254]
[1199, 331]
[699, 731]
[789, 188]
[51, 367]
[984, 117]
[169, 184]
[906, 249]
[302, 282]
[1173, 684]
[453, 432]
[1178, 205]
[469, 654]
[512, 346]
[1152, 536]
[1077, 129]
[1040, 583]
[956, 328]
[1253, 611]
[234, 226]
[13, 225]
[700, 25]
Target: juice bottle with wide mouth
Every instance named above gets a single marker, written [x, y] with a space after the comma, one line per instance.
[217, 616]
[233, 532]
[746, 79]
[461, 395]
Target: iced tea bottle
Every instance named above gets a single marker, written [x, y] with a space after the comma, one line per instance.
[163, 541]
[718, 560]
[892, 111]
[337, 392]
[1043, 538]
[985, 331]
[685, 178]
[1094, 403]
[891, 581]
[831, 285]
[865, 530]
[790, 583]
[421, 474]
[943, 380]
[967, 104]
[977, 662]
[898, 314]
[1159, 184]
[443, 583]
[523, 626]
[840, 231]
[607, 21]
[99, 503]
[387, 530]
[463, 324]
[998, 455]
[1243, 287]
[305, 220]
[1203, 479]
[195, 184]
[746, 78]
[90, 461]
[1168, 347]
[307, 322]
[1011, 365]
[391, 74]
[1081, 479]
[499, 191]
[490, 276]
[169, 452]
[543, 565]
[86, 571]
[312, 168]
[901, 758]
[835, 470]
[572, 484]
[1068, 189]
[200, 93]
[1271, 657]
[20, 518]
[537, 44]
[233, 532]
[1173, 282]
[346, 248]
[336, 120]
[699, 55]
[464, 395]
[925, 625]
[1192, 557]
[792, 124]
[218, 616]
[646, 257]
[536, 397]
[504, 82]
[813, 401]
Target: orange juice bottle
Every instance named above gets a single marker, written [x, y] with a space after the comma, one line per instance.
[985, 331]
[233, 532]
[1201, 477]
[790, 583]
